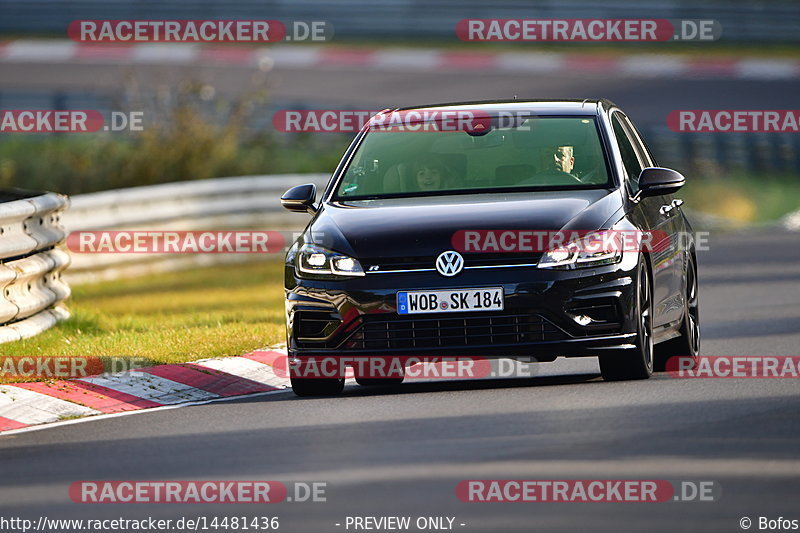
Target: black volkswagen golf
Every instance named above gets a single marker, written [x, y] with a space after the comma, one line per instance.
[522, 229]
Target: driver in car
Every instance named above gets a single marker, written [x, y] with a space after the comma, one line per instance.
[558, 159]
[556, 165]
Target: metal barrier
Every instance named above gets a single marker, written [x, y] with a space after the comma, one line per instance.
[30, 263]
[249, 202]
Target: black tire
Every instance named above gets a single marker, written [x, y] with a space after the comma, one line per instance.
[317, 386]
[636, 363]
[688, 343]
[376, 382]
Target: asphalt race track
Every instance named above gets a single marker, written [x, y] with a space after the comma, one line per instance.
[646, 100]
[402, 451]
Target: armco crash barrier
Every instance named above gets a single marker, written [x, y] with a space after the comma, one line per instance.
[237, 203]
[30, 263]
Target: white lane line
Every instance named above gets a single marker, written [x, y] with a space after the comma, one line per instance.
[46, 51]
[406, 59]
[245, 368]
[164, 53]
[768, 69]
[539, 62]
[29, 407]
[150, 387]
[293, 57]
[645, 65]
[654, 66]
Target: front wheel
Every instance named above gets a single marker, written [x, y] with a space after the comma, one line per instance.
[687, 344]
[634, 363]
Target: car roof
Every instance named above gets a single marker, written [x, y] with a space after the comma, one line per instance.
[578, 107]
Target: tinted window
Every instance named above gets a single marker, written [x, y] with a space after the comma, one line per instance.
[643, 150]
[532, 153]
[629, 159]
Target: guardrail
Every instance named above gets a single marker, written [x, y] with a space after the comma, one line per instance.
[30, 263]
[249, 202]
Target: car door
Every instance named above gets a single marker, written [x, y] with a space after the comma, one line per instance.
[678, 230]
[651, 214]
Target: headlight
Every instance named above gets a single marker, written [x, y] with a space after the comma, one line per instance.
[593, 249]
[313, 259]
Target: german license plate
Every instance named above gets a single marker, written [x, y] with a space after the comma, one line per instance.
[450, 301]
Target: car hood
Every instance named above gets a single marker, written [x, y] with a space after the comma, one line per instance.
[424, 226]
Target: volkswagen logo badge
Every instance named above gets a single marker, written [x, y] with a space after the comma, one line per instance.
[449, 263]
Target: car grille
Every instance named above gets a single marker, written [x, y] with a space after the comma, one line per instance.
[470, 260]
[380, 332]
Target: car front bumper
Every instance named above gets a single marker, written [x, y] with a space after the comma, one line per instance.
[358, 316]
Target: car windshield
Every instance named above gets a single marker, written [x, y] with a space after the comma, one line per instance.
[526, 153]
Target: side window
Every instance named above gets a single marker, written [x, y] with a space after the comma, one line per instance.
[644, 151]
[629, 159]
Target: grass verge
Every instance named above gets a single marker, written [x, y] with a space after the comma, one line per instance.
[746, 199]
[169, 318]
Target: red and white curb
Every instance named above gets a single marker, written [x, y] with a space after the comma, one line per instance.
[399, 59]
[27, 404]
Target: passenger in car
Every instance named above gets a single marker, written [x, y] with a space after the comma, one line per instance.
[431, 173]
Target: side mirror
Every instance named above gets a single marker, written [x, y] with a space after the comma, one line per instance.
[300, 199]
[655, 181]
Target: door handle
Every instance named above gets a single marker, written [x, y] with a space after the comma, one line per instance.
[667, 209]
